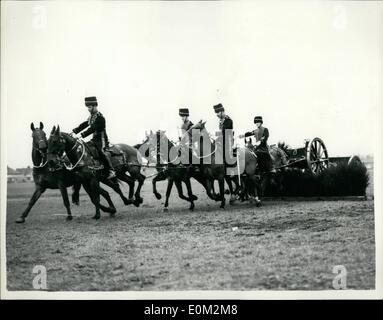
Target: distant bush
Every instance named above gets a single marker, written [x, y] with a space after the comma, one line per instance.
[340, 180]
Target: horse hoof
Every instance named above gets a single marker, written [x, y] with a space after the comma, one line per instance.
[112, 212]
[136, 203]
[141, 200]
[128, 201]
[165, 209]
[69, 218]
[191, 208]
[158, 196]
[20, 220]
[194, 197]
[96, 217]
[76, 203]
[258, 204]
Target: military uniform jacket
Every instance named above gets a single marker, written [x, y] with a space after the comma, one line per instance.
[185, 130]
[226, 124]
[260, 134]
[95, 125]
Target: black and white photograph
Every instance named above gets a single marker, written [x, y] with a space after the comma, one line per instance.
[191, 150]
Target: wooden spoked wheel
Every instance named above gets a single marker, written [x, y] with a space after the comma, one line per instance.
[317, 156]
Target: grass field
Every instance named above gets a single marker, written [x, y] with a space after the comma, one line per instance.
[281, 245]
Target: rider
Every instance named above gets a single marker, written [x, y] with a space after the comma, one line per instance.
[261, 135]
[186, 138]
[186, 123]
[96, 125]
[226, 128]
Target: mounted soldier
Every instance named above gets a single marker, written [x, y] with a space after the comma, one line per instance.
[261, 148]
[186, 136]
[226, 130]
[186, 125]
[96, 125]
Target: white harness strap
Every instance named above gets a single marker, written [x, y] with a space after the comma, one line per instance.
[79, 160]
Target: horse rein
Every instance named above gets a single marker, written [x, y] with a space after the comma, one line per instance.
[79, 160]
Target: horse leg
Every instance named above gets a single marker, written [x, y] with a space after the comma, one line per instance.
[238, 188]
[190, 197]
[245, 189]
[178, 184]
[237, 185]
[255, 185]
[76, 194]
[221, 183]
[36, 195]
[210, 190]
[159, 177]
[95, 186]
[190, 194]
[188, 183]
[141, 178]
[204, 184]
[64, 194]
[94, 195]
[130, 181]
[168, 191]
[232, 196]
[124, 177]
[112, 209]
[115, 186]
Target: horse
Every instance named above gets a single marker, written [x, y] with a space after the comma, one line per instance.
[82, 160]
[44, 178]
[169, 169]
[217, 170]
[214, 169]
[150, 144]
[279, 159]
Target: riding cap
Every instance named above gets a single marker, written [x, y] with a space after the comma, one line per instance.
[258, 119]
[184, 112]
[91, 102]
[218, 108]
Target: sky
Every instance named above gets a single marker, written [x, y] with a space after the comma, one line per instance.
[311, 69]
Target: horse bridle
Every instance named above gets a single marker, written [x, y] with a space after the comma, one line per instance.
[41, 165]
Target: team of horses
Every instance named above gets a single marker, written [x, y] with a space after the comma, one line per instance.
[64, 161]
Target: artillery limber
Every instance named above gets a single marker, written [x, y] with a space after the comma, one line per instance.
[314, 157]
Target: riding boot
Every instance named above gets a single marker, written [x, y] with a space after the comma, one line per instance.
[108, 165]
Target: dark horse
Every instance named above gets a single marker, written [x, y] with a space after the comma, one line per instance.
[169, 168]
[87, 168]
[216, 170]
[45, 178]
[172, 170]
